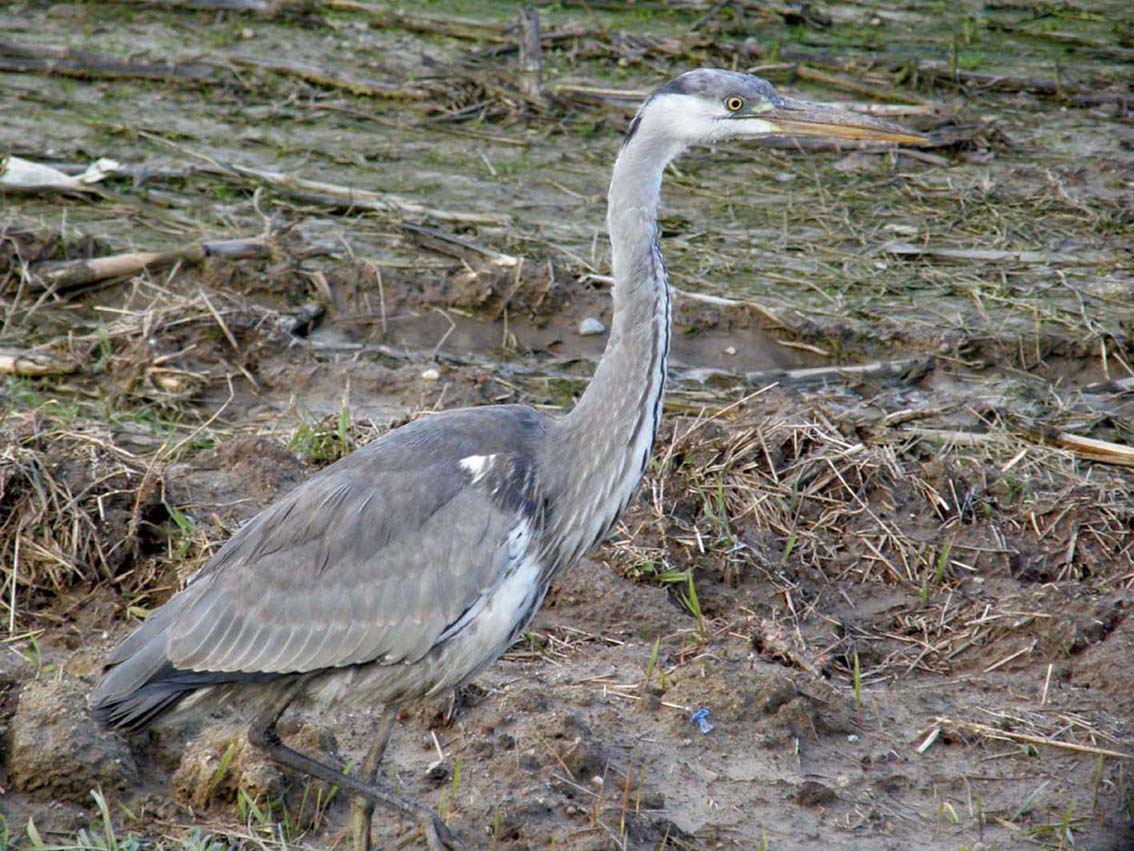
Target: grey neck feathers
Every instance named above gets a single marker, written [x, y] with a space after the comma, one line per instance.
[599, 451]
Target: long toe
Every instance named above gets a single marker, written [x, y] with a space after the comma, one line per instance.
[439, 837]
[361, 815]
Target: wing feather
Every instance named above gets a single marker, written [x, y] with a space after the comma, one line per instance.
[368, 560]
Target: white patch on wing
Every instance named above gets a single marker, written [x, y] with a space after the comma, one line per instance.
[477, 466]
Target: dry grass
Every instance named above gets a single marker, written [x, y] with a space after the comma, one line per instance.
[970, 542]
[74, 507]
[870, 533]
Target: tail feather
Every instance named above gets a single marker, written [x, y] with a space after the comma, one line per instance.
[137, 709]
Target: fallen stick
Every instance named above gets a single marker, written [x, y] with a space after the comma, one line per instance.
[1114, 385]
[362, 199]
[1076, 41]
[772, 316]
[909, 369]
[893, 110]
[598, 92]
[455, 246]
[630, 96]
[993, 255]
[261, 7]
[70, 274]
[938, 72]
[447, 26]
[332, 79]
[1009, 735]
[1008, 83]
[529, 75]
[946, 435]
[850, 84]
[87, 64]
[331, 194]
[31, 363]
[1087, 448]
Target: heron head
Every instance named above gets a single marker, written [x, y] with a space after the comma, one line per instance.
[710, 105]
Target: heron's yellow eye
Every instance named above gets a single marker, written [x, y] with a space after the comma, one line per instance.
[734, 103]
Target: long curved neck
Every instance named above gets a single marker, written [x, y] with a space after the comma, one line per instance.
[602, 446]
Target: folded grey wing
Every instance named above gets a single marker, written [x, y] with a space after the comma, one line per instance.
[354, 566]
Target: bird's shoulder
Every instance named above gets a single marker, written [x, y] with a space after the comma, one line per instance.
[471, 463]
[449, 437]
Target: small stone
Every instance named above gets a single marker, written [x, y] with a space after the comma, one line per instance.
[901, 229]
[591, 327]
[731, 350]
[814, 794]
[247, 33]
[430, 375]
[437, 772]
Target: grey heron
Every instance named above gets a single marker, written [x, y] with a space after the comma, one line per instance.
[400, 571]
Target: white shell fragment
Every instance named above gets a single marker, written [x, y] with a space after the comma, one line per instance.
[591, 327]
[18, 173]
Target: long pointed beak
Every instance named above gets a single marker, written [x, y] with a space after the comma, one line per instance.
[801, 118]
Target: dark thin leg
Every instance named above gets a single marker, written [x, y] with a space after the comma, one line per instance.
[263, 734]
[362, 808]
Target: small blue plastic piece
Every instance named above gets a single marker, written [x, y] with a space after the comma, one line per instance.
[701, 719]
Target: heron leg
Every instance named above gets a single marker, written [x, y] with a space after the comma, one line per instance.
[262, 733]
[362, 808]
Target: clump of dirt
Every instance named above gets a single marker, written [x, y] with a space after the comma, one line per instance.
[57, 749]
[257, 467]
[755, 696]
[218, 764]
[628, 611]
[491, 288]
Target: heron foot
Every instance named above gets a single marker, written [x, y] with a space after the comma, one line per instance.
[438, 835]
[262, 733]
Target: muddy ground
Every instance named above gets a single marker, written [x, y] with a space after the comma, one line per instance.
[887, 539]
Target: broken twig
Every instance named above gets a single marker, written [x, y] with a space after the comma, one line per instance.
[32, 363]
[1011, 736]
[71, 274]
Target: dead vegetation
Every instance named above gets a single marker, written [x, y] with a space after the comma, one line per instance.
[917, 545]
[970, 542]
